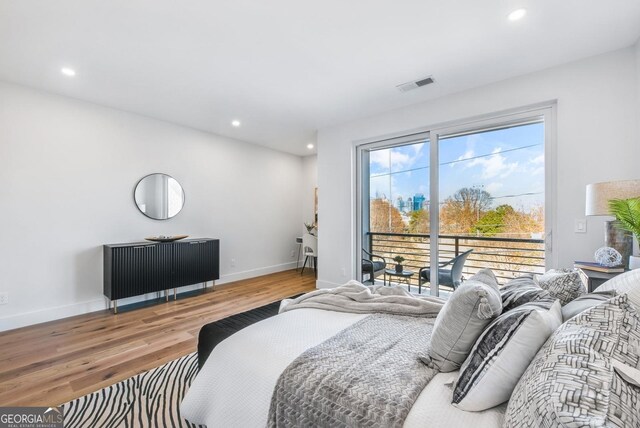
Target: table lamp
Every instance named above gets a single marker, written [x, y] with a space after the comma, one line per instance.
[598, 197]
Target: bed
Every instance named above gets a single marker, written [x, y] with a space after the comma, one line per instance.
[238, 384]
[235, 386]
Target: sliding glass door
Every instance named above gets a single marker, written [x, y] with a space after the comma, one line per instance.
[395, 206]
[453, 200]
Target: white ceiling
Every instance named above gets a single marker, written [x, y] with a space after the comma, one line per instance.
[286, 68]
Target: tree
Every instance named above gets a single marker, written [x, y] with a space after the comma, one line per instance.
[385, 217]
[493, 222]
[419, 221]
[518, 223]
[462, 210]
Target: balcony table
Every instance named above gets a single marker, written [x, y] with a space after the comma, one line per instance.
[404, 276]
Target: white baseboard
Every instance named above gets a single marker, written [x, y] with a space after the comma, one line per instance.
[252, 273]
[99, 304]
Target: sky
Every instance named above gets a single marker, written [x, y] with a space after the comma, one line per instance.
[507, 163]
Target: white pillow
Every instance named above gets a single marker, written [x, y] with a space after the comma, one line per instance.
[585, 302]
[502, 354]
[467, 312]
[625, 283]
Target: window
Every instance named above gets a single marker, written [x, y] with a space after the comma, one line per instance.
[487, 186]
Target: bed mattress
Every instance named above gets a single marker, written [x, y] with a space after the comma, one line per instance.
[235, 385]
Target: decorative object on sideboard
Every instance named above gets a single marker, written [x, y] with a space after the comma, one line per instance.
[608, 257]
[627, 212]
[162, 238]
[159, 196]
[597, 204]
[399, 260]
[311, 228]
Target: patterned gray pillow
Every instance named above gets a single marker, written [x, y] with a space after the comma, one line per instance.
[502, 354]
[462, 319]
[573, 381]
[563, 284]
[521, 290]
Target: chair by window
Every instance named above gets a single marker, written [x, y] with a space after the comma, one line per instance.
[451, 277]
[373, 265]
[310, 250]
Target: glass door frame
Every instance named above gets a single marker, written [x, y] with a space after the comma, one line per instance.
[545, 112]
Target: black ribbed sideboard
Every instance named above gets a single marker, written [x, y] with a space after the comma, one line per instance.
[146, 267]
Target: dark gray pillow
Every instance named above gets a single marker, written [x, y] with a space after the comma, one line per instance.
[462, 319]
[521, 290]
[585, 302]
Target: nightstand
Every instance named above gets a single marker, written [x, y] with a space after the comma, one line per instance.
[596, 279]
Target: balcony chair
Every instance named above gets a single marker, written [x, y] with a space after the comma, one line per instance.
[373, 267]
[451, 277]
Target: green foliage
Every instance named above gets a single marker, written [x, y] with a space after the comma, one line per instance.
[627, 213]
[398, 259]
[493, 222]
[419, 221]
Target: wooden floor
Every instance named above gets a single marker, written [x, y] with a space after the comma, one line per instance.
[52, 363]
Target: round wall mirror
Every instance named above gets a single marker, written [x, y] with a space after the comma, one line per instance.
[159, 196]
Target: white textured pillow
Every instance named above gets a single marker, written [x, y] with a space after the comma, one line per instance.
[462, 319]
[625, 283]
[502, 354]
[563, 284]
[583, 376]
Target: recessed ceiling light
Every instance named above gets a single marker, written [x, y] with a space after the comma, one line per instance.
[309, 146]
[68, 71]
[235, 123]
[517, 14]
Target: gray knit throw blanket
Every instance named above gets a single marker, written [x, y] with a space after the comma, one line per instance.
[368, 375]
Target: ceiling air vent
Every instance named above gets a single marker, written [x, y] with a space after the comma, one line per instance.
[415, 85]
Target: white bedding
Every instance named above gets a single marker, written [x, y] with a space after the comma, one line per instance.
[234, 387]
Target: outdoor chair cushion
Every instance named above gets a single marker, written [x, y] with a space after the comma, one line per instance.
[377, 265]
[444, 277]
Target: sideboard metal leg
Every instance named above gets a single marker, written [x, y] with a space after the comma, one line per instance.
[175, 297]
[166, 295]
[115, 306]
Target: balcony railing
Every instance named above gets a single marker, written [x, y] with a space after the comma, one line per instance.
[507, 257]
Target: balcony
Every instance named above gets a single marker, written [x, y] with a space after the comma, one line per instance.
[507, 257]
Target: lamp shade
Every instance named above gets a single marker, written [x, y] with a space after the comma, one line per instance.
[599, 195]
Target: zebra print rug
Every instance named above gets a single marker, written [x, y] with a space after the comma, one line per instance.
[150, 399]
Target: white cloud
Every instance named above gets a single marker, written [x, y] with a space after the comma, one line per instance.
[494, 165]
[493, 187]
[466, 155]
[396, 158]
[538, 159]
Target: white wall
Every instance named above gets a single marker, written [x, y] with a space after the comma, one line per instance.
[68, 170]
[309, 184]
[597, 140]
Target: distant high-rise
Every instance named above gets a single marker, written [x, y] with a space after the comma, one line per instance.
[418, 201]
[400, 204]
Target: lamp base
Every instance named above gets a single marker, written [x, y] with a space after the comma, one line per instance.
[620, 240]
